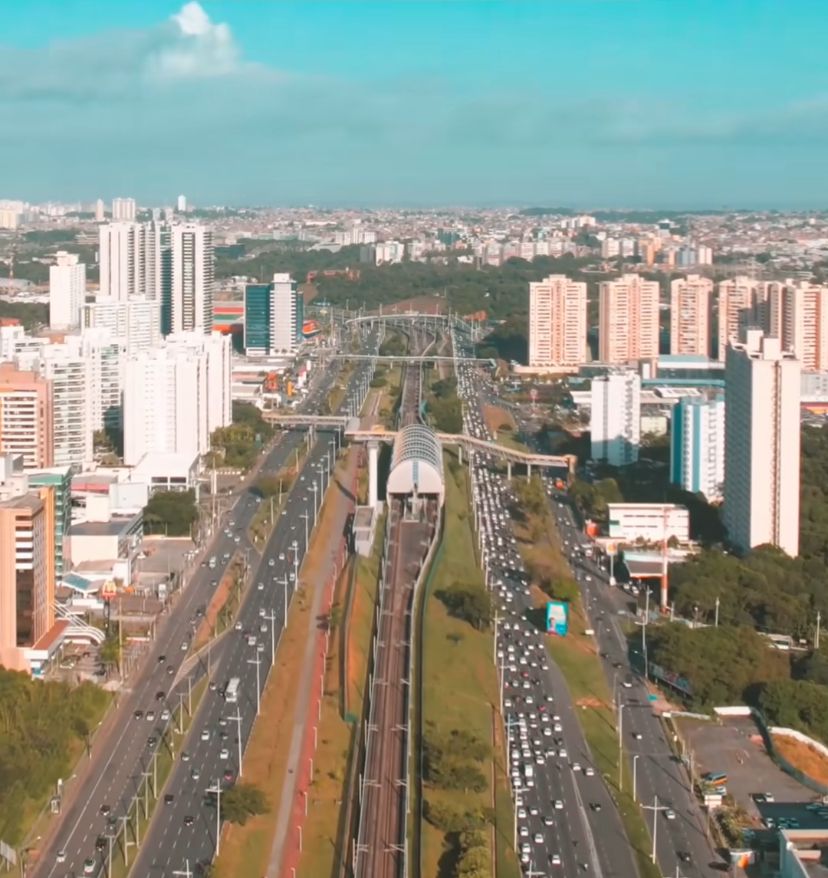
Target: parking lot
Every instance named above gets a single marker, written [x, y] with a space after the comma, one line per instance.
[735, 747]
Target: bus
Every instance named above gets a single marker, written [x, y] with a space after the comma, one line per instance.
[231, 693]
[715, 779]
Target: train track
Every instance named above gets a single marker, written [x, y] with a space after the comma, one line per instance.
[381, 836]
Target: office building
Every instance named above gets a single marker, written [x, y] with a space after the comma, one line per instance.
[628, 326]
[134, 260]
[557, 323]
[690, 314]
[761, 488]
[697, 446]
[743, 303]
[136, 322]
[615, 421]
[26, 416]
[67, 291]
[648, 522]
[190, 305]
[216, 350]
[273, 317]
[165, 405]
[27, 574]
[59, 480]
[123, 210]
[799, 318]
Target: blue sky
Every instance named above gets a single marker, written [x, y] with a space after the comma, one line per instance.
[627, 103]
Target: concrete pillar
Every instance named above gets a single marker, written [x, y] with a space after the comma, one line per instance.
[509, 470]
[528, 471]
[373, 456]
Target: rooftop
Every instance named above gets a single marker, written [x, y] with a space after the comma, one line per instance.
[115, 526]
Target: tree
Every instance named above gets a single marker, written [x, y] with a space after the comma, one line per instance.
[241, 801]
[797, 704]
[471, 603]
[172, 513]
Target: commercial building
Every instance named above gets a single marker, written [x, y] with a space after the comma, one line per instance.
[26, 416]
[190, 304]
[743, 303]
[27, 575]
[59, 480]
[67, 291]
[123, 209]
[615, 420]
[135, 322]
[134, 260]
[761, 489]
[648, 522]
[628, 320]
[697, 446]
[557, 323]
[690, 300]
[273, 317]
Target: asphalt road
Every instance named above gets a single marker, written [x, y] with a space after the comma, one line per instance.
[125, 754]
[657, 772]
[584, 834]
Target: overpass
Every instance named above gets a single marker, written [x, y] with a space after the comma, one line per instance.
[402, 358]
[390, 316]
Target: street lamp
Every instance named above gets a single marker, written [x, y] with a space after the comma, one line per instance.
[315, 489]
[655, 808]
[217, 790]
[635, 775]
[307, 535]
[237, 719]
[621, 706]
[258, 662]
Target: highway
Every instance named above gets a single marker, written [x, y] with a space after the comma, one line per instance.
[566, 822]
[124, 755]
[658, 773]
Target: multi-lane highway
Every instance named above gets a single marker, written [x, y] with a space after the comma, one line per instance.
[566, 822]
[142, 723]
[681, 836]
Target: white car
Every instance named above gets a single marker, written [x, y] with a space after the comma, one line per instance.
[224, 753]
[556, 859]
[61, 856]
[558, 805]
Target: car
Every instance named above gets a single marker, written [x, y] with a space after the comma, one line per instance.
[89, 866]
[229, 776]
[195, 774]
[670, 814]
[150, 715]
[161, 659]
[205, 734]
[138, 714]
[521, 813]
[185, 756]
[538, 838]
[188, 820]
[105, 809]
[589, 771]
[627, 683]
[638, 736]
[523, 832]
[152, 741]
[558, 805]
[61, 856]
[185, 645]
[281, 556]
[556, 860]
[595, 806]
[160, 695]
[169, 798]
[100, 843]
[576, 766]
[224, 753]
[165, 714]
[548, 821]
[260, 586]
[769, 797]
[271, 563]
[222, 721]
[170, 670]
[684, 856]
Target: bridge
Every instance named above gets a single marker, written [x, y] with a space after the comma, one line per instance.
[350, 426]
[402, 358]
[452, 320]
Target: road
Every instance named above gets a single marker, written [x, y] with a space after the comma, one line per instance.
[125, 753]
[657, 771]
[566, 822]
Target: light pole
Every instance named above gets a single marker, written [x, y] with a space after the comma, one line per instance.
[635, 775]
[655, 808]
[715, 623]
[217, 790]
[271, 617]
[315, 489]
[307, 535]
[620, 746]
[258, 662]
[237, 719]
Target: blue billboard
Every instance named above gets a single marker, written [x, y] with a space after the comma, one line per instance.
[557, 618]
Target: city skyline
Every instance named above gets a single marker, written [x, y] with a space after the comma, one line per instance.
[428, 119]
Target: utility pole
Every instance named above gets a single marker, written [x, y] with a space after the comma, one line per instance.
[307, 535]
[217, 790]
[655, 808]
[271, 617]
[716, 618]
[620, 746]
[285, 598]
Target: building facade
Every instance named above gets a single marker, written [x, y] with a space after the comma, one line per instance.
[697, 446]
[136, 322]
[557, 323]
[190, 304]
[743, 303]
[761, 489]
[648, 522]
[26, 425]
[628, 320]
[67, 291]
[134, 260]
[59, 480]
[690, 301]
[123, 209]
[273, 317]
[799, 318]
[615, 421]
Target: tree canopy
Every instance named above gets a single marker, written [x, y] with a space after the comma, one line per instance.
[171, 513]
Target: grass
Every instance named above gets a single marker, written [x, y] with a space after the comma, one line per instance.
[459, 687]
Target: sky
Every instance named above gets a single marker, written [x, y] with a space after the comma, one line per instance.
[411, 103]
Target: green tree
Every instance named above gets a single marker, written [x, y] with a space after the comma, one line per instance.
[471, 603]
[241, 801]
[172, 513]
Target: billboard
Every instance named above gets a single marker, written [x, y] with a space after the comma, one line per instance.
[557, 618]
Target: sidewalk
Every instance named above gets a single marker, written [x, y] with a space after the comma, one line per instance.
[322, 567]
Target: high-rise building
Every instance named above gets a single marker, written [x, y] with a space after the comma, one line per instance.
[690, 315]
[136, 322]
[59, 479]
[743, 303]
[181, 204]
[799, 318]
[67, 290]
[216, 350]
[26, 416]
[165, 404]
[697, 446]
[761, 488]
[123, 210]
[615, 421]
[273, 317]
[134, 261]
[27, 574]
[557, 322]
[100, 211]
[105, 358]
[628, 325]
[191, 292]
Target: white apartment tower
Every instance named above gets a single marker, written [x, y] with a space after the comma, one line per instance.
[191, 293]
[697, 446]
[557, 323]
[181, 204]
[690, 315]
[67, 291]
[123, 210]
[105, 356]
[134, 260]
[136, 321]
[799, 318]
[165, 404]
[743, 303]
[216, 350]
[628, 325]
[284, 314]
[761, 490]
[615, 422]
